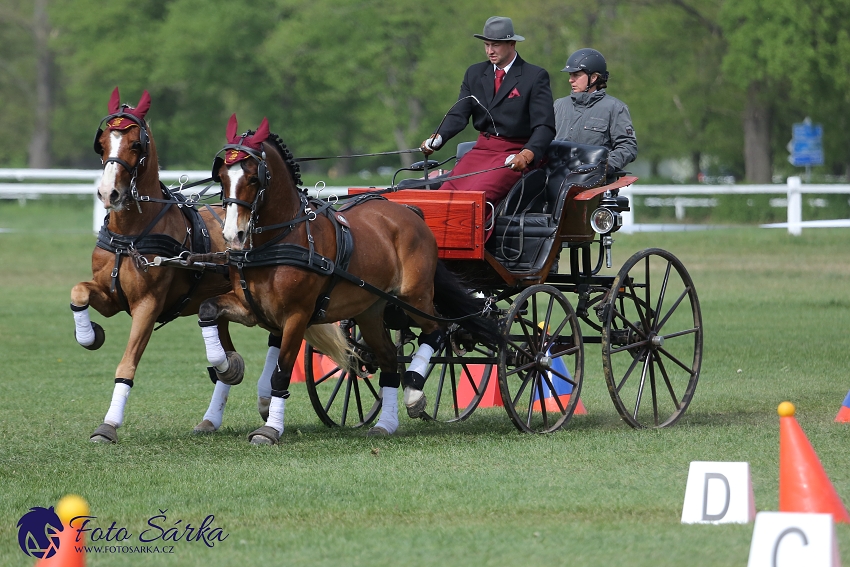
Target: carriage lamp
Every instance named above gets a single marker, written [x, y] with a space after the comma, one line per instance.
[602, 220]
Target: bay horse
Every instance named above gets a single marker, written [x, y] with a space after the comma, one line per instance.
[295, 262]
[145, 219]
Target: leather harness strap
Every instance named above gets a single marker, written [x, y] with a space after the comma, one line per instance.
[144, 243]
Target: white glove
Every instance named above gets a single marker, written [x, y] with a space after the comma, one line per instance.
[509, 159]
[432, 144]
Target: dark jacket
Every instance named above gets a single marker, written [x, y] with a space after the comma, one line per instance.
[528, 114]
[600, 120]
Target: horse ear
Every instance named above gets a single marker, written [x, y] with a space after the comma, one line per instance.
[114, 101]
[262, 132]
[232, 127]
[143, 106]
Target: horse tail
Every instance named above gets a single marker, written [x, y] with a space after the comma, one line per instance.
[333, 342]
[453, 299]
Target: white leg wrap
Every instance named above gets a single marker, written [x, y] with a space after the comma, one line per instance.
[264, 384]
[420, 361]
[82, 327]
[215, 412]
[115, 415]
[389, 410]
[215, 352]
[276, 414]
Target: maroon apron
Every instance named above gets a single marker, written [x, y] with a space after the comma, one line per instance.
[488, 152]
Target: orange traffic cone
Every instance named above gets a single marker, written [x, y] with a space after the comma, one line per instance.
[803, 484]
[844, 413]
[67, 554]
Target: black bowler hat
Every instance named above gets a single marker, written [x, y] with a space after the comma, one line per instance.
[499, 28]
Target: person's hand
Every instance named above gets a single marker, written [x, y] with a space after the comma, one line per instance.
[521, 160]
[431, 145]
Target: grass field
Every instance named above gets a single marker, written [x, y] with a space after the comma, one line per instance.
[776, 312]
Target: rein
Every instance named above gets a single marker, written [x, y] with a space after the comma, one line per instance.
[393, 153]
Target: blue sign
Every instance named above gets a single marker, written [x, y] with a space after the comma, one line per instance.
[806, 145]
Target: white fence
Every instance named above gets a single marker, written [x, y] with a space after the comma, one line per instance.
[31, 183]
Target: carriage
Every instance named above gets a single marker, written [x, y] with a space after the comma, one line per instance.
[531, 359]
[548, 240]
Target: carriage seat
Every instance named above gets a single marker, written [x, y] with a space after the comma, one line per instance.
[526, 222]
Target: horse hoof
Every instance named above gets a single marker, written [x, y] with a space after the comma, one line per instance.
[417, 408]
[235, 371]
[104, 433]
[99, 337]
[204, 427]
[264, 436]
[263, 407]
[377, 431]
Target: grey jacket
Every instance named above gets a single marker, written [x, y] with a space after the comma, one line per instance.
[600, 120]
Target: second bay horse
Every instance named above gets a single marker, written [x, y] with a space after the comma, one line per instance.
[284, 249]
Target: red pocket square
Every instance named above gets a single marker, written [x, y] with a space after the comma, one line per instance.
[513, 94]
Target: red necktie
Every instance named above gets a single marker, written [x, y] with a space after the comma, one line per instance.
[500, 74]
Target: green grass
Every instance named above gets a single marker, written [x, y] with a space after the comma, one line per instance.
[474, 493]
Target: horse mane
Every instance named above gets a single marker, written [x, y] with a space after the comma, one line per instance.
[288, 158]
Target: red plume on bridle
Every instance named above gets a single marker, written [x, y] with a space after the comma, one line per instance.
[253, 141]
[115, 107]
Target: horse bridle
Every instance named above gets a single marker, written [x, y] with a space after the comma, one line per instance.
[144, 140]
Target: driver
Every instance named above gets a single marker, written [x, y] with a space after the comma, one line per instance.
[590, 115]
[510, 103]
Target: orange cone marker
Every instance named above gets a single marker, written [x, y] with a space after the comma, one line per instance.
[68, 508]
[803, 484]
[844, 413]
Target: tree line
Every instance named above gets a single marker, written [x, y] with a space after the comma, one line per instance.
[716, 82]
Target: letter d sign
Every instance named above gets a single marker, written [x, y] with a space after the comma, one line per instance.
[718, 493]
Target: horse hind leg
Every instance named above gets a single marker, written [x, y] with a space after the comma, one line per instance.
[376, 336]
[414, 378]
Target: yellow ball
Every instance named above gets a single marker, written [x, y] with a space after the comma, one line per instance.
[786, 409]
[71, 506]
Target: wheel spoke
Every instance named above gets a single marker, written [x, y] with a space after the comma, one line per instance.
[521, 388]
[552, 336]
[328, 375]
[672, 309]
[555, 395]
[641, 311]
[355, 383]
[628, 373]
[525, 366]
[681, 333]
[690, 371]
[562, 377]
[335, 391]
[652, 388]
[641, 386]
[641, 332]
[667, 382]
[662, 292]
[345, 400]
[630, 346]
[469, 378]
[440, 385]
[540, 396]
[454, 389]
[520, 348]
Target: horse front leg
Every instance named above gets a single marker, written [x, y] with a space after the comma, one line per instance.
[89, 334]
[292, 336]
[144, 317]
[227, 367]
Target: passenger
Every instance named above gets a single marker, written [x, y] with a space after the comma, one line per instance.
[510, 103]
[591, 116]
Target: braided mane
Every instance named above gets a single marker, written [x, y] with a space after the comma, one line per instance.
[286, 154]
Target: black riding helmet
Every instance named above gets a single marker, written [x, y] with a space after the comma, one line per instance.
[588, 60]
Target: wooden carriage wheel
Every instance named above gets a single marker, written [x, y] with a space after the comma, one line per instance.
[343, 397]
[542, 363]
[652, 339]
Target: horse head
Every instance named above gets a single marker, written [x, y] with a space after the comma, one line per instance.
[124, 146]
[244, 174]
